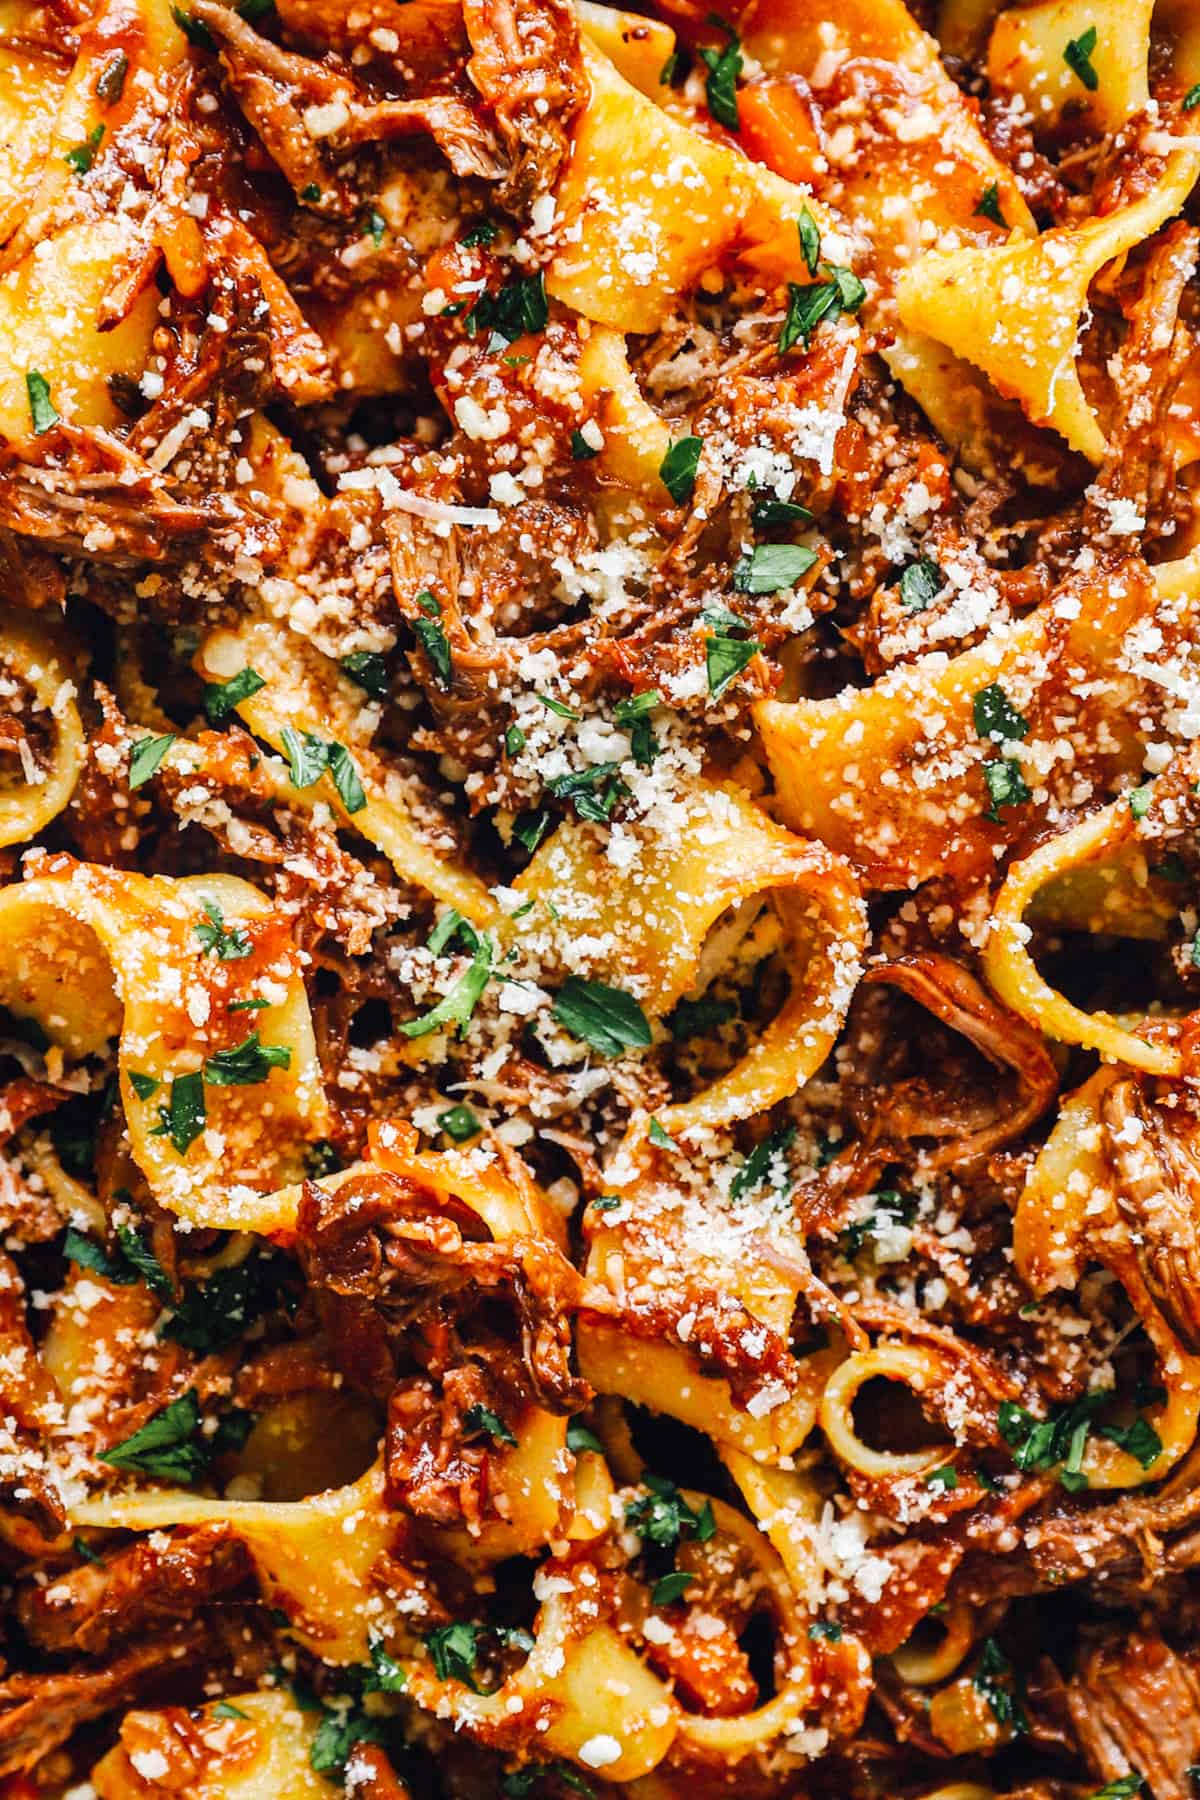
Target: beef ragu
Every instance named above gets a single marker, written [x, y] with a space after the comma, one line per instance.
[599, 953]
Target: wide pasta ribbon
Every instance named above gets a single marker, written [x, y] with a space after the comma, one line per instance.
[220, 1082]
[33, 655]
[645, 926]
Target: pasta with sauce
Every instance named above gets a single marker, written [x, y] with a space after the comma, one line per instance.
[599, 1139]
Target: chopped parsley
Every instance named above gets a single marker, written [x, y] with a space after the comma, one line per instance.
[81, 156]
[559, 707]
[1139, 799]
[228, 943]
[220, 697]
[660, 1137]
[768, 512]
[431, 636]
[455, 1648]
[669, 1588]
[518, 307]
[810, 241]
[771, 567]
[593, 792]
[458, 1005]
[1078, 54]
[184, 1116]
[579, 1438]
[1005, 786]
[225, 1709]
[920, 584]
[246, 1063]
[992, 1671]
[375, 227]
[724, 67]
[581, 450]
[194, 30]
[634, 713]
[143, 1085]
[42, 410]
[945, 1478]
[165, 1446]
[145, 757]
[988, 205]
[766, 1162]
[1060, 1437]
[724, 660]
[530, 828]
[336, 1737]
[215, 1313]
[606, 1018]
[133, 1259]
[369, 671]
[995, 715]
[1139, 1440]
[459, 1123]
[826, 1629]
[662, 1515]
[1123, 1788]
[809, 303]
[310, 757]
[514, 741]
[482, 1420]
[677, 471]
[1191, 98]
[483, 232]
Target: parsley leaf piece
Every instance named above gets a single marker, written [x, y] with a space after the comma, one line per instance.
[139, 1256]
[724, 67]
[995, 715]
[310, 193]
[991, 1671]
[1139, 799]
[450, 926]
[42, 410]
[771, 567]
[662, 1515]
[194, 30]
[184, 1116]
[669, 1588]
[457, 1006]
[519, 1783]
[337, 1735]
[145, 757]
[607, 1018]
[514, 741]
[225, 1709]
[945, 1478]
[920, 584]
[988, 205]
[674, 71]
[579, 1438]
[368, 670]
[724, 659]
[165, 1445]
[581, 450]
[633, 712]
[850, 291]
[346, 778]
[559, 707]
[1123, 1788]
[1139, 1440]
[110, 83]
[431, 635]
[459, 1123]
[807, 305]
[593, 792]
[1077, 56]
[220, 697]
[387, 1676]
[455, 1651]
[226, 943]
[810, 241]
[768, 511]
[308, 756]
[86, 1253]
[483, 232]
[81, 156]
[530, 828]
[215, 1313]
[661, 1137]
[1191, 98]
[827, 1629]
[677, 471]
[695, 1018]
[246, 1063]
[479, 1419]
[518, 307]
[763, 1164]
[1005, 785]
[375, 227]
[143, 1085]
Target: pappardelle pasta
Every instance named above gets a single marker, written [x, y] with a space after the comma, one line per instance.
[599, 1137]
